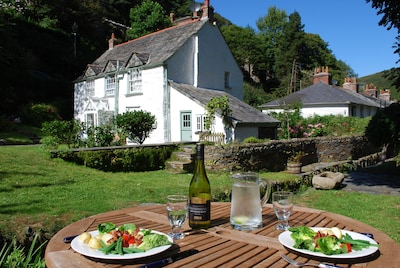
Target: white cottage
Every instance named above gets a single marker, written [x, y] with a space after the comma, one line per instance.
[172, 74]
[323, 98]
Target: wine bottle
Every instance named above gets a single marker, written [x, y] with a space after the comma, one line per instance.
[199, 193]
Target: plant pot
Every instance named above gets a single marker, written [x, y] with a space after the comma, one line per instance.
[294, 168]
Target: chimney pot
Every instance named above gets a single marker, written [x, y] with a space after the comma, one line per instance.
[111, 42]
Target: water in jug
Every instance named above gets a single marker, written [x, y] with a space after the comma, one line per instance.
[246, 201]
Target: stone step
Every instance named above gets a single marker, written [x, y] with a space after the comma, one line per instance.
[179, 166]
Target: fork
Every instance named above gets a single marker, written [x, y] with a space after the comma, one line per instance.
[300, 264]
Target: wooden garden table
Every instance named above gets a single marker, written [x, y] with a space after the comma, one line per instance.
[220, 245]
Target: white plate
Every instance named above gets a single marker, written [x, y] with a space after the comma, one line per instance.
[84, 249]
[286, 240]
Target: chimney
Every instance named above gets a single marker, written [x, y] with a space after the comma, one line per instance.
[111, 42]
[370, 90]
[351, 83]
[321, 74]
[385, 95]
[207, 11]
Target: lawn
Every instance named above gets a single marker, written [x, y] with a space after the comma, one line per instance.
[48, 194]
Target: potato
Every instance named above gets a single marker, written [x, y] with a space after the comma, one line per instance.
[337, 232]
[94, 243]
[85, 237]
[106, 237]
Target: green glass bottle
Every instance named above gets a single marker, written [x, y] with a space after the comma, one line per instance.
[199, 193]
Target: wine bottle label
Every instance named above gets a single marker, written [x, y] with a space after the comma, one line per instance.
[199, 209]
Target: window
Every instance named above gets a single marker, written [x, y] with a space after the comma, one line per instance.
[110, 85]
[200, 122]
[89, 90]
[135, 81]
[227, 76]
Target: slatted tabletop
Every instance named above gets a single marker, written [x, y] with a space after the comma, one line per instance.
[220, 245]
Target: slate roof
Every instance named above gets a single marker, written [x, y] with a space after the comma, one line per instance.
[242, 113]
[151, 49]
[322, 94]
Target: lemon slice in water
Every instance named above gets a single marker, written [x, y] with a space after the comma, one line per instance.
[240, 219]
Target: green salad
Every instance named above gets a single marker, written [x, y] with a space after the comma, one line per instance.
[328, 241]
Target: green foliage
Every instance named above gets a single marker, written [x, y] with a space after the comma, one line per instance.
[295, 126]
[384, 127]
[39, 113]
[253, 140]
[147, 18]
[137, 125]
[62, 132]
[101, 136]
[255, 95]
[13, 256]
[121, 160]
[221, 104]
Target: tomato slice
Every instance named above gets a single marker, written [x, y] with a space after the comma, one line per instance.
[348, 247]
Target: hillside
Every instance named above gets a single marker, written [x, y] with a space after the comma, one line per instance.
[381, 83]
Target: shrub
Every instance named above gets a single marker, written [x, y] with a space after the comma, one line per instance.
[63, 132]
[121, 160]
[37, 114]
[100, 136]
[384, 127]
[137, 125]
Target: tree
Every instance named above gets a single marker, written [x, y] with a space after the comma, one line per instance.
[137, 125]
[290, 51]
[384, 127]
[147, 18]
[390, 9]
[245, 47]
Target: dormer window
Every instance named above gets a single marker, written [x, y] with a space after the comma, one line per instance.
[89, 88]
[227, 76]
[135, 81]
[110, 86]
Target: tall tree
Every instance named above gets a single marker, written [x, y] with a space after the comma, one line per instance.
[290, 53]
[390, 9]
[271, 29]
[147, 18]
[244, 45]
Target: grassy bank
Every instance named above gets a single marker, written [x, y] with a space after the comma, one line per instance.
[48, 194]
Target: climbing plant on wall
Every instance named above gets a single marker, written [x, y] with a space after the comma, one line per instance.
[221, 103]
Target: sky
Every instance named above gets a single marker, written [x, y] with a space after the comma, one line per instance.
[350, 27]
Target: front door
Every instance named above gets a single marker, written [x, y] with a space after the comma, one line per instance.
[186, 126]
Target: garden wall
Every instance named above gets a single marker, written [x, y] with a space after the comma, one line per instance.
[273, 155]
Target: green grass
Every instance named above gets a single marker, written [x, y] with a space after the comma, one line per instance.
[48, 194]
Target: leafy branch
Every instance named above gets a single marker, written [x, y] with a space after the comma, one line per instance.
[221, 103]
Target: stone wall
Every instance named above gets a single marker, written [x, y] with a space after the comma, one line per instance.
[273, 155]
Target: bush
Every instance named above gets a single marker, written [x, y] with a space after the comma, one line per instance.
[384, 128]
[137, 125]
[63, 132]
[37, 114]
[100, 136]
[125, 160]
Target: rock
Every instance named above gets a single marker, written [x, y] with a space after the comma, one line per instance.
[327, 180]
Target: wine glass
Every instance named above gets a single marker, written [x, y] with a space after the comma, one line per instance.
[177, 207]
[283, 204]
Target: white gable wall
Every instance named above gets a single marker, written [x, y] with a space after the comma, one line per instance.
[181, 66]
[207, 70]
[216, 59]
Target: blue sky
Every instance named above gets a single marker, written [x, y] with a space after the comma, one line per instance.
[350, 27]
